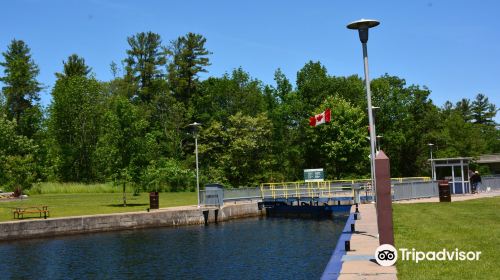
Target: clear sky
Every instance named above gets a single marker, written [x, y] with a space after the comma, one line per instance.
[450, 46]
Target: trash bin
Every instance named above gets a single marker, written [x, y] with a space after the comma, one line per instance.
[154, 200]
[444, 191]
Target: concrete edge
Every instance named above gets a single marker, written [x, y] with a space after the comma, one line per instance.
[15, 230]
[334, 266]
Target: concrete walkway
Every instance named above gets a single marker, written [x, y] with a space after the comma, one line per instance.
[359, 262]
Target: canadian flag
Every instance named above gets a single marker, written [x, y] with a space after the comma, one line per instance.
[320, 118]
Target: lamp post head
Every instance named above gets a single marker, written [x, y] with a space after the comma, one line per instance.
[195, 126]
[362, 26]
[430, 144]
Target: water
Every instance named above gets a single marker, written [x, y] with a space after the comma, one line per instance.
[256, 248]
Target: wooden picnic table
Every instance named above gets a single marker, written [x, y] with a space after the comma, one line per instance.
[20, 211]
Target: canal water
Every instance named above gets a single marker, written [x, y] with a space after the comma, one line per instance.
[254, 248]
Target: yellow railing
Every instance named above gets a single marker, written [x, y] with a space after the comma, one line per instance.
[302, 189]
[321, 189]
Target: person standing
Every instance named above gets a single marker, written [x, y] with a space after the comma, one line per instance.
[475, 180]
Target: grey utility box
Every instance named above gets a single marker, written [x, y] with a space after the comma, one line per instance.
[214, 195]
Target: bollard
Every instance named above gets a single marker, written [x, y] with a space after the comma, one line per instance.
[352, 228]
[347, 245]
[384, 199]
[357, 209]
[355, 216]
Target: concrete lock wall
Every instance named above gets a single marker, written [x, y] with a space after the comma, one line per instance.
[85, 224]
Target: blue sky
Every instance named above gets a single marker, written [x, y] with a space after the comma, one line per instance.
[452, 47]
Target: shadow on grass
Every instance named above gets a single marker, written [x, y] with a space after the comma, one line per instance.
[128, 205]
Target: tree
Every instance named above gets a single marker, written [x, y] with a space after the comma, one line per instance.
[189, 59]
[407, 120]
[74, 66]
[458, 138]
[17, 165]
[21, 88]
[222, 97]
[340, 146]
[483, 111]
[145, 57]
[74, 125]
[465, 109]
[313, 85]
[237, 153]
[124, 148]
[247, 156]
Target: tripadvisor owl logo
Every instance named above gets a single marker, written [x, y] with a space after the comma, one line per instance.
[386, 255]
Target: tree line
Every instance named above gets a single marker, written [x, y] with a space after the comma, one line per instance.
[134, 129]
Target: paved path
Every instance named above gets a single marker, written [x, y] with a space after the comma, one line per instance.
[357, 264]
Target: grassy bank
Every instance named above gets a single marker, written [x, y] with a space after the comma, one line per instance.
[472, 225]
[73, 204]
[66, 188]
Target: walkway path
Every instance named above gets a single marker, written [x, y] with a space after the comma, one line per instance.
[358, 263]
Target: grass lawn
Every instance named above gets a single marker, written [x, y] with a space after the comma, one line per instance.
[61, 205]
[472, 225]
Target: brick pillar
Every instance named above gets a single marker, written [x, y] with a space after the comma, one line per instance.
[384, 199]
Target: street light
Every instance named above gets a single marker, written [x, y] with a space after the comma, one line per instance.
[195, 126]
[362, 26]
[432, 162]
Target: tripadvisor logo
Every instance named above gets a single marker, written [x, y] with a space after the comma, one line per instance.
[387, 255]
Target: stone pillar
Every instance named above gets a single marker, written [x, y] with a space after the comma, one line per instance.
[384, 199]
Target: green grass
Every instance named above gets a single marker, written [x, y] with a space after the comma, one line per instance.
[65, 188]
[472, 225]
[74, 204]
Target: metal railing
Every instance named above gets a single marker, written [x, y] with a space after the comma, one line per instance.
[402, 189]
[413, 190]
[306, 189]
[492, 182]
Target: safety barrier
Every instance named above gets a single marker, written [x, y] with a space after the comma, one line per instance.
[413, 190]
[403, 188]
[492, 182]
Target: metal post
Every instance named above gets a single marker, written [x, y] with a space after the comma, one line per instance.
[432, 163]
[195, 126]
[363, 25]
[370, 119]
[197, 172]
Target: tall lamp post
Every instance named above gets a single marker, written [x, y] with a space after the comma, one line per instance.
[195, 126]
[432, 162]
[362, 26]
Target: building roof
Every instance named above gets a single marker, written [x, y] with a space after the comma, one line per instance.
[452, 159]
[493, 158]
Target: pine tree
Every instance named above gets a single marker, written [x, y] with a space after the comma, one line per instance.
[483, 111]
[21, 88]
[189, 59]
[142, 65]
[74, 66]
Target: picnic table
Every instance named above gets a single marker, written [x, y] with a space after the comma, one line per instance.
[21, 211]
